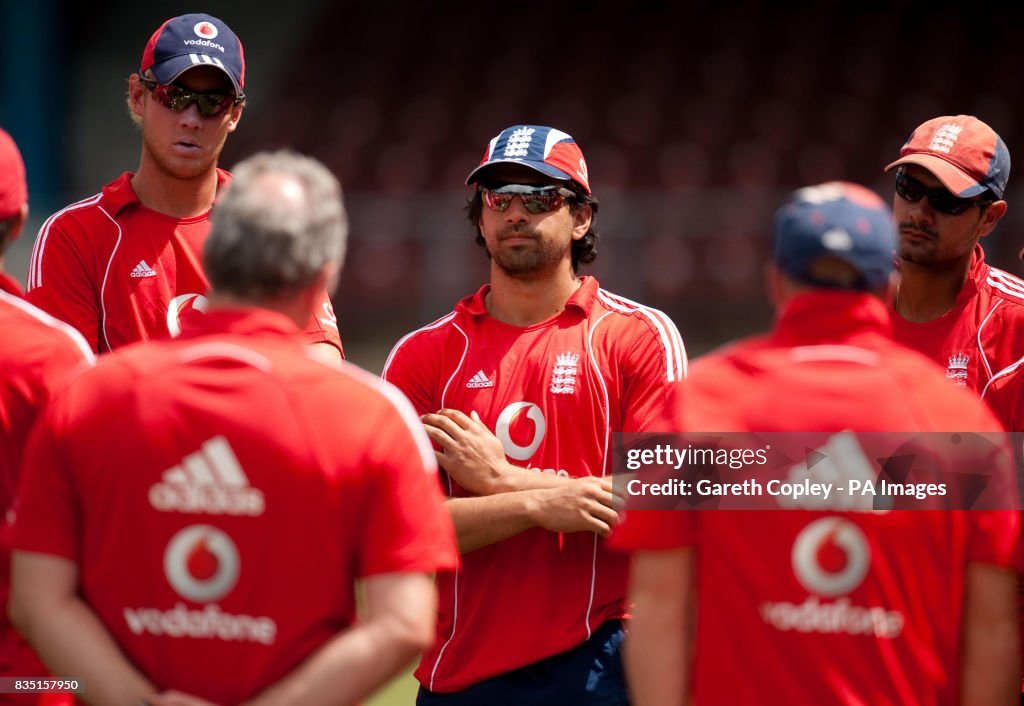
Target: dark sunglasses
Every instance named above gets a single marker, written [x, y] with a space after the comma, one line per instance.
[536, 199]
[910, 189]
[178, 99]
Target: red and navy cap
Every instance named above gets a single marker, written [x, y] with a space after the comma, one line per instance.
[838, 219]
[964, 153]
[545, 149]
[184, 42]
[13, 189]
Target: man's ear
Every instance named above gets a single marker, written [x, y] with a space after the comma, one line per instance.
[582, 216]
[236, 115]
[990, 217]
[136, 96]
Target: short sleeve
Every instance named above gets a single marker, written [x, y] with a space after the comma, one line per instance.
[995, 538]
[61, 284]
[407, 526]
[655, 363]
[409, 369]
[46, 515]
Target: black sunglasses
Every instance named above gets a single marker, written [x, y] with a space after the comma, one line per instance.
[178, 99]
[912, 190]
[536, 199]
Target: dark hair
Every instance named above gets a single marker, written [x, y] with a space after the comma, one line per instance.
[6, 228]
[584, 250]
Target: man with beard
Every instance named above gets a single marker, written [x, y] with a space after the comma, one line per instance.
[969, 317]
[521, 388]
[826, 600]
[125, 265]
[950, 305]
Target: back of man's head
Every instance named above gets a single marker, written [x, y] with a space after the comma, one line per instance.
[13, 190]
[835, 235]
[279, 225]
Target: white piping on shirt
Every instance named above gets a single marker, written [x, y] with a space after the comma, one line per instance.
[429, 327]
[604, 454]
[106, 274]
[35, 270]
[458, 569]
[44, 318]
[671, 340]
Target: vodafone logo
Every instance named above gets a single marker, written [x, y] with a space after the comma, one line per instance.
[201, 563]
[831, 557]
[181, 305]
[511, 423]
[205, 30]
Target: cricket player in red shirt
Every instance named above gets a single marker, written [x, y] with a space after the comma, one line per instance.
[194, 512]
[951, 178]
[522, 387]
[969, 317]
[38, 354]
[125, 265]
[13, 204]
[820, 607]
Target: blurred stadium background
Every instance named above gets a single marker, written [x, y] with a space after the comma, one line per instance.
[695, 117]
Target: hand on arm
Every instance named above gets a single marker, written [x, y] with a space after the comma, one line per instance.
[472, 455]
[990, 667]
[512, 499]
[657, 653]
[399, 623]
[67, 634]
[571, 505]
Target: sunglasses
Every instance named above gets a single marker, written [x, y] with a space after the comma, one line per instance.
[536, 199]
[178, 99]
[912, 190]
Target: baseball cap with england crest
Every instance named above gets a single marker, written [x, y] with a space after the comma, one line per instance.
[544, 149]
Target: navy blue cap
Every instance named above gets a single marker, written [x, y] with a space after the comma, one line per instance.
[838, 219]
[184, 42]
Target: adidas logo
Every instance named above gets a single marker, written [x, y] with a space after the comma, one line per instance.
[479, 380]
[209, 481]
[143, 270]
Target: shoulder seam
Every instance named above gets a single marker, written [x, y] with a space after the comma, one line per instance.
[433, 326]
[1006, 284]
[35, 273]
[47, 320]
[400, 404]
[663, 327]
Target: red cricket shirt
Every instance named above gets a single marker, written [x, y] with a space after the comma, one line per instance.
[120, 272]
[980, 341]
[221, 491]
[37, 357]
[813, 607]
[553, 393]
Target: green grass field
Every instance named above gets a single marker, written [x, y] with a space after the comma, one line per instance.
[400, 692]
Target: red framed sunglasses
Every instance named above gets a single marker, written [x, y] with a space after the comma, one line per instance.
[536, 199]
[176, 98]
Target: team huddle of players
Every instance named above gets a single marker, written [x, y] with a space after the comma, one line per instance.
[187, 514]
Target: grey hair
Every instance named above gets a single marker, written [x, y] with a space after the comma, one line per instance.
[263, 245]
